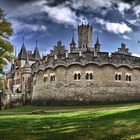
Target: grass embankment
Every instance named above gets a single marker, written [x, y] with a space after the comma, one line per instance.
[112, 122]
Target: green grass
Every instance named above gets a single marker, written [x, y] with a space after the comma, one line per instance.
[108, 122]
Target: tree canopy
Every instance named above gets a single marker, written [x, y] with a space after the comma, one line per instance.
[6, 48]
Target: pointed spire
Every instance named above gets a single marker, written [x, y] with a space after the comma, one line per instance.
[97, 41]
[23, 53]
[97, 45]
[36, 53]
[72, 41]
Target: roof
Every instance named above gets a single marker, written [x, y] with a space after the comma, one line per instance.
[23, 53]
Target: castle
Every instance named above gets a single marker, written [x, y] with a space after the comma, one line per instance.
[83, 75]
[19, 79]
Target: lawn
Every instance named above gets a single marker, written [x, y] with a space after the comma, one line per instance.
[110, 122]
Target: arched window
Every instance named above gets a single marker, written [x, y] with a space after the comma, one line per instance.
[79, 76]
[91, 75]
[120, 77]
[45, 79]
[129, 77]
[116, 77]
[51, 78]
[87, 76]
[75, 76]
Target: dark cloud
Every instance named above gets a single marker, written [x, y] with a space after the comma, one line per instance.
[136, 2]
[56, 2]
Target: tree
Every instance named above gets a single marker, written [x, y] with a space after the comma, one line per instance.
[6, 48]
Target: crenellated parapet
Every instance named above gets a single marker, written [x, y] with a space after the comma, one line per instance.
[85, 58]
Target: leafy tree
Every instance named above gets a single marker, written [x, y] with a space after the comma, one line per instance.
[6, 48]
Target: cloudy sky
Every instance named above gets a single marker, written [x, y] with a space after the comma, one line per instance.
[48, 21]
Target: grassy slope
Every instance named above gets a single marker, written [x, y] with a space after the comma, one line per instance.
[108, 123]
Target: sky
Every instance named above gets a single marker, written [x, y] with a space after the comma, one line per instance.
[48, 21]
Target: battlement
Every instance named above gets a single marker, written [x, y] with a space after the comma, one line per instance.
[62, 57]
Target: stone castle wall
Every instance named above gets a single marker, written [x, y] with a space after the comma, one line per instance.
[102, 88]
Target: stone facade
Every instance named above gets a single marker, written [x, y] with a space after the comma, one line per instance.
[86, 75]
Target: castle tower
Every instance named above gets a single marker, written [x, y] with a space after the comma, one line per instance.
[26, 77]
[72, 45]
[85, 37]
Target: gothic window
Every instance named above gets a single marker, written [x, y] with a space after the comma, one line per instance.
[118, 76]
[77, 76]
[45, 78]
[128, 77]
[23, 79]
[89, 75]
[52, 77]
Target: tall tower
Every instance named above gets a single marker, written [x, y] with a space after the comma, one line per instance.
[85, 37]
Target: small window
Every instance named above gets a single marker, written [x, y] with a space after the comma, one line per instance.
[128, 77]
[118, 77]
[89, 75]
[45, 79]
[77, 76]
[52, 78]
[23, 79]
